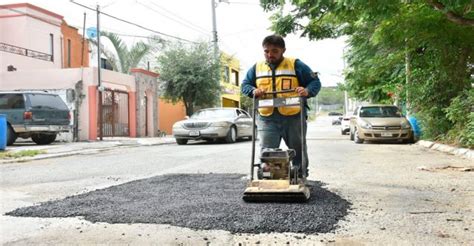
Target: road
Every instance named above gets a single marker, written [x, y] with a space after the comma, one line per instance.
[398, 194]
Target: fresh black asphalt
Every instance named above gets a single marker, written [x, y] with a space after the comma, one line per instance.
[197, 201]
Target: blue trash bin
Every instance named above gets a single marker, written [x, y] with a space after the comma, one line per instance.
[3, 131]
[415, 126]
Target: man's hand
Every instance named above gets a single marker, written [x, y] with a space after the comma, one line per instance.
[302, 91]
[258, 92]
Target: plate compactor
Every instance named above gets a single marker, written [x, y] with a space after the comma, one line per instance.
[278, 180]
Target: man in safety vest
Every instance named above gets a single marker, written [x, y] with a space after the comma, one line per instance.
[279, 73]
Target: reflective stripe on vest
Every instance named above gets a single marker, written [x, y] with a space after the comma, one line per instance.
[284, 78]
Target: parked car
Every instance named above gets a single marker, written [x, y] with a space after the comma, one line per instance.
[337, 121]
[38, 115]
[345, 123]
[381, 123]
[334, 114]
[212, 124]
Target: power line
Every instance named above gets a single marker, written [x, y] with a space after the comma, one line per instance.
[174, 17]
[134, 24]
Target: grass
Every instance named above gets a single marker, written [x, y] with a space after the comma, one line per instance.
[19, 154]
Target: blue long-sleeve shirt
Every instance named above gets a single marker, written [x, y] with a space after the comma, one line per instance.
[305, 75]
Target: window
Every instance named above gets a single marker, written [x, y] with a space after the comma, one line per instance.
[234, 79]
[44, 101]
[51, 46]
[68, 53]
[12, 101]
[225, 76]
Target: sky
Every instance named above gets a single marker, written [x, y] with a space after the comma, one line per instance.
[241, 27]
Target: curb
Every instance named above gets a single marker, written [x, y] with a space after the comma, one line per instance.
[85, 150]
[461, 152]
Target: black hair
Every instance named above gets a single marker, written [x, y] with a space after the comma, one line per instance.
[274, 39]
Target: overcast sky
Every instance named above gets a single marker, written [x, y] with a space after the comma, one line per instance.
[241, 27]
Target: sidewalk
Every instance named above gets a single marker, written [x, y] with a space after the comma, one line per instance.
[60, 149]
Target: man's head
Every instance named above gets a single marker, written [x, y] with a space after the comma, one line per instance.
[273, 48]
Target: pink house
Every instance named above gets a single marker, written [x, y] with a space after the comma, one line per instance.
[32, 57]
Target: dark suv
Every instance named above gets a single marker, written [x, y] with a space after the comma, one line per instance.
[38, 115]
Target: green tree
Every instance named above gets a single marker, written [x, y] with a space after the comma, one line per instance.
[121, 58]
[331, 96]
[190, 74]
[421, 51]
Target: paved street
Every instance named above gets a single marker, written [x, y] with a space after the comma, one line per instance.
[399, 194]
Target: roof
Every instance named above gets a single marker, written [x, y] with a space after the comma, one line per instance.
[31, 6]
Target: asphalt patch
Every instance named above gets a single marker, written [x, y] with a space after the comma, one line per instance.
[197, 201]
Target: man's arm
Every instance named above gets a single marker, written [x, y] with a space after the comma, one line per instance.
[307, 78]
[249, 84]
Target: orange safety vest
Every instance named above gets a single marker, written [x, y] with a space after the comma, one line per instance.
[284, 78]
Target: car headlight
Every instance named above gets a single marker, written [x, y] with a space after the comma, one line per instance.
[405, 125]
[365, 124]
[177, 126]
[220, 124]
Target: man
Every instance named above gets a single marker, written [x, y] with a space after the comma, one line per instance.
[279, 73]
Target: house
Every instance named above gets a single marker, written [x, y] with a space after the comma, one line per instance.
[230, 96]
[40, 51]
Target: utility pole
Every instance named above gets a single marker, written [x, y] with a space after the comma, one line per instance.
[346, 97]
[216, 46]
[99, 82]
[214, 30]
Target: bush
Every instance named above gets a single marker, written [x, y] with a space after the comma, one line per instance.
[460, 114]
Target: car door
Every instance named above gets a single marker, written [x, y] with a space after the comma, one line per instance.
[353, 119]
[244, 122]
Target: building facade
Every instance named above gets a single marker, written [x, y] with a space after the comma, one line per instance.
[230, 81]
[40, 51]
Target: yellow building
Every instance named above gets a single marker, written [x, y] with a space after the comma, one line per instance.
[230, 81]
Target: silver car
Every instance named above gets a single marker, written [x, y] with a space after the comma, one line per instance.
[212, 124]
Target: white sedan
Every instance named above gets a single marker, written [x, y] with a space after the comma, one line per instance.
[212, 124]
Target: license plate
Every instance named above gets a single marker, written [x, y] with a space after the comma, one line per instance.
[54, 128]
[386, 134]
[194, 133]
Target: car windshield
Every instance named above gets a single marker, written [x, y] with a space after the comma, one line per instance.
[213, 113]
[382, 111]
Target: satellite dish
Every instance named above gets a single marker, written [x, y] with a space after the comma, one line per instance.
[91, 32]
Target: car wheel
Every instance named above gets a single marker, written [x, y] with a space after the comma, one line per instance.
[181, 141]
[43, 139]
[356, 137]
[411, 140]
[11, 136]
[231, 135]
[351, 134]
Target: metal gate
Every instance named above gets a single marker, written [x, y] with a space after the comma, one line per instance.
[115, 114]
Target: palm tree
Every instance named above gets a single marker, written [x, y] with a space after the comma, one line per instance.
[124, 59]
